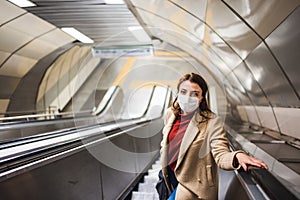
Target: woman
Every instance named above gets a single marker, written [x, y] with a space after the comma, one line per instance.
[194, 144]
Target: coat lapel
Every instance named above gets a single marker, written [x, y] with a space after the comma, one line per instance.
[189, 136]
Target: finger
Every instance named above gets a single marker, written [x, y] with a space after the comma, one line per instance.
[261, 163]
[265, 166]
[252, 162]
[258, 163]
[244, 166]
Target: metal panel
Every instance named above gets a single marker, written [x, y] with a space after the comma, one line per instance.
[75, 177]
[7, 86]
[217, 60]
[266, 117]
[7, 43]
[3, 56]
[17, 66]
[9, 11]
[252, 115]
[284, 43]
[179, 17]
[234, 31]
[197, 8]
[31, 25]
[214, 70]
[226, 53]
[231, 95]
[269, 13]
[37, 49]
[238, 89]
[270, 77]
[250, 85]
[288, 120]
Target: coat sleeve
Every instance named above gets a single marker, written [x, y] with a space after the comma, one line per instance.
[167, 116]
[219, 145]
[166, 119]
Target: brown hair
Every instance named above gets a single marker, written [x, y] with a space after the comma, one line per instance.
[204, 110]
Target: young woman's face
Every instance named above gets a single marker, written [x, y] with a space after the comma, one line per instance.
[190, 89]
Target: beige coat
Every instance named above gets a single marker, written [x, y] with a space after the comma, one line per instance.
[204, 147]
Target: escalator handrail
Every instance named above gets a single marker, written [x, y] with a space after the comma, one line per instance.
[270, 185]
[18, 141]
[53, 134]
[129, 124]
[111, 92]
[23, 118]
[17, 164]
[67, 132]
[46, 116]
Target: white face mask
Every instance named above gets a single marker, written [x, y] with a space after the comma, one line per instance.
[187, 104]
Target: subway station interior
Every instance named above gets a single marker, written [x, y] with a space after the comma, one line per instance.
[82, 118]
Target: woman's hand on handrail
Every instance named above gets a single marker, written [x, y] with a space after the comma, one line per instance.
[245, 160]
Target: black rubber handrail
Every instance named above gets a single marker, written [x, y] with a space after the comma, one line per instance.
[37, 154]
[109, 99]
[41, 152]
[48, 135]
[53, 134]
[270, 185]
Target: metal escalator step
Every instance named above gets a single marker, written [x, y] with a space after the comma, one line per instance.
[144, 196]
[150, 179]
[147, 187]
[153, 172]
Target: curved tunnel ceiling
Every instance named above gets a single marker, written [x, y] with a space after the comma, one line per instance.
[236, 40]
[233, 39]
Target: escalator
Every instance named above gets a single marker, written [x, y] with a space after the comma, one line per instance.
[98, 161]
[110, 159]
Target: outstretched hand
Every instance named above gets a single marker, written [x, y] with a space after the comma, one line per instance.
[245, 160]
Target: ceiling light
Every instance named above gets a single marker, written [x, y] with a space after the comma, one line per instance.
[22, 3]
[78, 35]
[114, 1]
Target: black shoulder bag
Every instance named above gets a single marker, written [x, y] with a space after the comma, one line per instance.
[161, 187]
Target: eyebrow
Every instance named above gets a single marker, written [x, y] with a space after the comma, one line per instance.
[192, 90]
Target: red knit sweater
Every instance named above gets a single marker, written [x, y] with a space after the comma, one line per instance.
[175, 137]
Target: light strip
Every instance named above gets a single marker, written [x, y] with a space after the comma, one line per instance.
[78, 35]
[22, 3]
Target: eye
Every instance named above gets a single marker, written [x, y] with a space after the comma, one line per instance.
[182, 91]
[194, 94]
